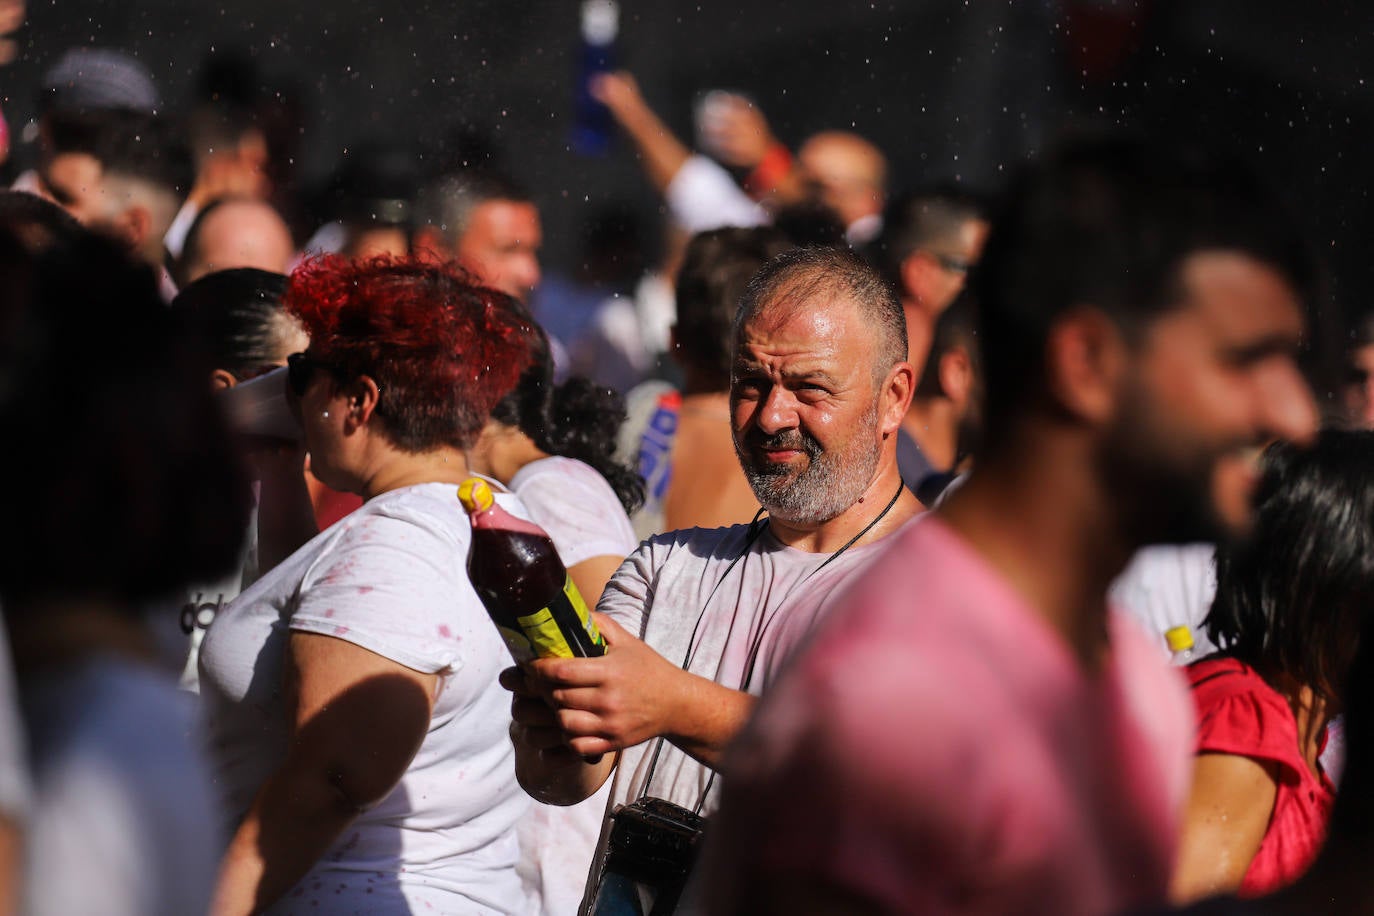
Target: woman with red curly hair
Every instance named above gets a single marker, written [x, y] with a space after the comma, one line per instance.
[351, 693]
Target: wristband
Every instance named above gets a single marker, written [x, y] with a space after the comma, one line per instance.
[769, 173]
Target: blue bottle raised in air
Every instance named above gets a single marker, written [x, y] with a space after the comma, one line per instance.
[593, 126]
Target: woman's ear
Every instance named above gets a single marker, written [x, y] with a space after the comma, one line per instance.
[363, 394]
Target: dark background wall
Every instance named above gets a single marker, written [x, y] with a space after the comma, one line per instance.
[949, 88]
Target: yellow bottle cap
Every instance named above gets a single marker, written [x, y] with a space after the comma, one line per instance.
[475, 495]
[1179, 638]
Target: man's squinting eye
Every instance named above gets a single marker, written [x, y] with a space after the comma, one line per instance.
[750, 384]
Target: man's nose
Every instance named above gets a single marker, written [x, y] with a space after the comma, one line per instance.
[1289, 410]
[778, 411]
[527, 272]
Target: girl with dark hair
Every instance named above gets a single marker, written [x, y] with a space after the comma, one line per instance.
[351, 693]
[1288, 613]
[238, 314]
[553, 446]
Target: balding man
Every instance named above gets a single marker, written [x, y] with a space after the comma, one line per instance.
[236, 232]
[849, 175]
[698, 622]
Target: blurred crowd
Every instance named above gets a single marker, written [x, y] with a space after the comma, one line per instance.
[956, 551]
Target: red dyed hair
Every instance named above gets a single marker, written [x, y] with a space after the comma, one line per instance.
[442, 348]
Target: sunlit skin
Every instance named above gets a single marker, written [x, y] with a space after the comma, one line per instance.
[931, 281]
[1224, 374]
[321, 413]
[75, 183]
[804, 369]
[1136, 437]
[501, 245]
[808, 370]
[948, 280]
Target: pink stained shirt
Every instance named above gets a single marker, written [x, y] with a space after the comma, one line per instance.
[937, 750]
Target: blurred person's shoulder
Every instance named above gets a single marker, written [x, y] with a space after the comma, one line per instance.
[124, 796]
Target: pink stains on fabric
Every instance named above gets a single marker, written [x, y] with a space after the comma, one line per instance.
[329, 612]
[341, 631]
[444, 631]
[364, 589]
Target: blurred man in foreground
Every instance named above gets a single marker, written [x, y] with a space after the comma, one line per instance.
[971, 732]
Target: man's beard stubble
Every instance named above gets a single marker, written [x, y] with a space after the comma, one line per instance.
[830, 483]
[1166, 495]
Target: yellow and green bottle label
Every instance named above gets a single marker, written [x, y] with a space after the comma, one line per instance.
[564, 629]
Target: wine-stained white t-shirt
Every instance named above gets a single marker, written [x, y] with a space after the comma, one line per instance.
[729, 604]
[392, 578]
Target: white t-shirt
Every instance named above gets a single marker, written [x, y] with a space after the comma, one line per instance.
[584, 519]
[679, 591]
[391, 577]
[701, 195]
[577, 507]
[124, 820]
[1169, 586]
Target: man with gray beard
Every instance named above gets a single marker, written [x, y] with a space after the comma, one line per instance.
[698, 622]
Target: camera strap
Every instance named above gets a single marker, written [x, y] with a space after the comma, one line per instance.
[755, 530]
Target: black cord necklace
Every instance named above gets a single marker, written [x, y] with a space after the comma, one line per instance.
[755, 529]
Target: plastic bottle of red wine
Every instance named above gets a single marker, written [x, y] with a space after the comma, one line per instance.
[523, 584]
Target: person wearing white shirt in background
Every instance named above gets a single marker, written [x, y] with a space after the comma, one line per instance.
[839, 169]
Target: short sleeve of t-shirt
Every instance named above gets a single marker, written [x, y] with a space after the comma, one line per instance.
[386, 586]
[577, 507]
[629, 590]
[1238, 713]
